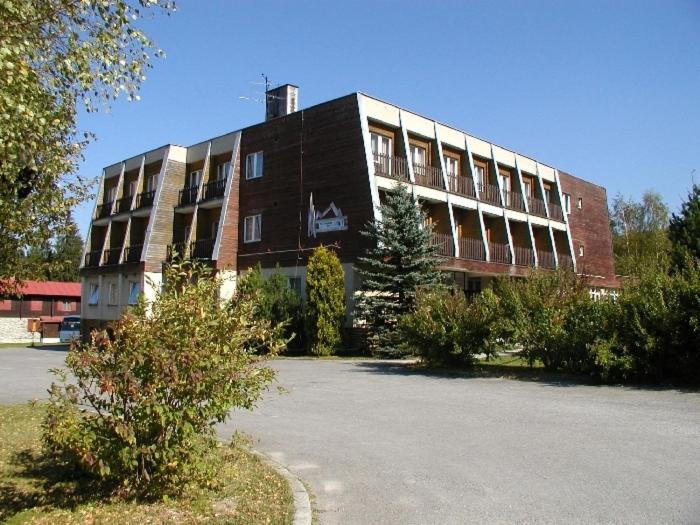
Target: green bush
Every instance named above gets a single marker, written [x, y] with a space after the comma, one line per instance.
[140, 408]
[446, 329]
[325, 306]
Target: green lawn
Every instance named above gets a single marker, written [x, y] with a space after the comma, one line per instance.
[33, 490]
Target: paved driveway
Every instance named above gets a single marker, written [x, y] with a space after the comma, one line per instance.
[379, 445]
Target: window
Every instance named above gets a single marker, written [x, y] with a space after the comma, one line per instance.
[214, 229]
[223, 170]
[111, 194]
[251, 228]
[479, 173]
[505, 180]
[547, 193]
[5, 304]
[152, 183]
[94, 294]
[65, 306]
[295, 285]
[112, 296]
[579, 203]
[132, 188]
[580, 250]
[451, 166]
[194, 178]
[134, 290]
[417, 155]
[254, 165]
[381, 145]
[567, 202]
[527, 187]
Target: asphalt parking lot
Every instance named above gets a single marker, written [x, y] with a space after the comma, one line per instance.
[377, 443]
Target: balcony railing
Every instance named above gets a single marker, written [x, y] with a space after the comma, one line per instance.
[201, 249]
[499, 252]
[490, 193]
[524, 256]
[124, 204]
[133, 253]
[145, 198]
[188, 195]
[471, 249]
[428, 176]
[565, 261]
[514, 200]
[104, 209]
[388, 166]
[461, 185]
[178, 249]
[555, 212]
[112, 255]
[536, 206]
[443, 243]
[545, 259]
[214, 189]
[93, 258]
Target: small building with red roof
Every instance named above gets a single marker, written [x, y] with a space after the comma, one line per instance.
[34, 311]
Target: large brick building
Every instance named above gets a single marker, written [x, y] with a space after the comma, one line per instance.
[271, 192]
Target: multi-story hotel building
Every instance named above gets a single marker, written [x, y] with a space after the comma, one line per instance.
[271, 192]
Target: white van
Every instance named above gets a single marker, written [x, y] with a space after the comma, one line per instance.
[69, 329]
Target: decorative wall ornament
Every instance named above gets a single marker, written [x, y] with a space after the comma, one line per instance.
[332, 219]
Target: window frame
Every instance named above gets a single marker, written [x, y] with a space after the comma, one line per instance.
[253, 165]
[134, 285]
[579, 203]
[113, 295]
[567, 202]
[224, 167]
[252, 219]
[94, 294]
[198, 177]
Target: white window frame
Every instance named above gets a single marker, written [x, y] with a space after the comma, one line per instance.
[223, 170]
[111, 194]
[152, 182]
[418, 151]
[94, 297]
[134, 292]
[252, 225]
[451, 165]
[254, 165]
[479, 175]
[581, 250]
[195, 175]
[567, 203]
[65, 306]
[579, 203]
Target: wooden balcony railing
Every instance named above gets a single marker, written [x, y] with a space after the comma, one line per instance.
[428, 176]
[145, 198]
[177, 250]
[388, 166]
[514, 200]
[565, 261]
[443, 243]
[124, 204]
[555, 212]
[112, 255]
[461, 185]
[188, 195]
[499, 252]
[490, 193]
[132, 253]
[104, 209]
[201, 249]
[471, 249]
[214, 189]
[92, 258]
[524, 256]
[545, 259]
[536, 206]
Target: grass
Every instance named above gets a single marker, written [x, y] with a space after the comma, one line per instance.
[33, 490]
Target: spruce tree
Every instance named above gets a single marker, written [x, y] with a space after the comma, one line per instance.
[400, 259]
[68, 250]
[684, 230]
[325, 301]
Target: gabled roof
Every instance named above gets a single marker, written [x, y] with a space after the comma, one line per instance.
[50, 288]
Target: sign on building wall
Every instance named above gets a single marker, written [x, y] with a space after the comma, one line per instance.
[332, 219]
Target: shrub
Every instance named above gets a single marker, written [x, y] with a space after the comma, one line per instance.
[142, 407]
[446, 329]
[325, 307]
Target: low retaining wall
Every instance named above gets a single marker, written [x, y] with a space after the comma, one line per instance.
[14, 330]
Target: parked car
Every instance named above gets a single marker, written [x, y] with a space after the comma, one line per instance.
[69, 329]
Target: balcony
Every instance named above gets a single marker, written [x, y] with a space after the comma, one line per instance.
[188, 195]
[202, 249]
[145, 198]
[443, 244]
[104, 210]
[124, 204]
[112, 256]
[555, 212]
[429, 176]
[536, 206]
[514, 200]
[490, 193]
[565, 261]
[133, 253]
[499, 252]
[471, 249]
[177, 250]
[393, 167]
[545, 259]
[93, 258]
[524, 256]
[461, 185]
[214, 189]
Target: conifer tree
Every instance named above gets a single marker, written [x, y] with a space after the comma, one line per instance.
[400, 259]
[684, 230]
[325, 306]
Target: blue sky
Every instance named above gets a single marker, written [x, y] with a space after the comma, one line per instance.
[608, 91]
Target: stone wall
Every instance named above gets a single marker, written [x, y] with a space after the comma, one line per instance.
[14, 330]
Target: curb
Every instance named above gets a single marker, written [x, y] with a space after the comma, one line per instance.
[302, 504]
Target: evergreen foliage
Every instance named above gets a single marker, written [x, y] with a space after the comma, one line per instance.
[59, 259]
[400, 260]
[684, 230]
[325, 306]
